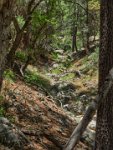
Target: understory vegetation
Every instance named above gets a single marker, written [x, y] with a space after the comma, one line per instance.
[48, 72]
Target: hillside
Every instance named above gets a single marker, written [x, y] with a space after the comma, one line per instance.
[41, 118]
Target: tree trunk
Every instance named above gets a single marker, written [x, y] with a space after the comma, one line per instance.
[75, 28]
[74, 40]
[104, 130]
[87, 24]
[26, 64]
[6, 8]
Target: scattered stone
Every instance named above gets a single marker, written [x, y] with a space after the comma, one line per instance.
[55, 65]
[10, 136]
[63, 91]
[60, 51]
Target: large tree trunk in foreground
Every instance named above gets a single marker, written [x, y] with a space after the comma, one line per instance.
[77, 133]
[6, 7]
[104, 130]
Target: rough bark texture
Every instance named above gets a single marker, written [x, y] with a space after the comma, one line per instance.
[87, 24]
[104, 130]
[5, 20]
[74, 40]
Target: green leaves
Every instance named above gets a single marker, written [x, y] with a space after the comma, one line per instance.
[38, 18]
[37, 80]
[9, 75]
[21, 55]
[20, 20]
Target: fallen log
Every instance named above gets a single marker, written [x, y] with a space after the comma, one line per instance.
[81, 127]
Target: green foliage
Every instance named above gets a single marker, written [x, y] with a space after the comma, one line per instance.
[68, 77]
[38, 18]
[67, 63]
[55, 56]
[56, 71]
[94, 57]
[90, 62]
[21, 56]
[20, 20]
[52, 27]
[1, 99]
[2, 111]
[37, 79]
[9, 75]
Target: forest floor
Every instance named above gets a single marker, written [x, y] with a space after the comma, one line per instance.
[45, 124]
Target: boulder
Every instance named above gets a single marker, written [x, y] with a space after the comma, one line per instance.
[63, 91]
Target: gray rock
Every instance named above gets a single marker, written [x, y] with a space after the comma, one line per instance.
[4, 120]
[55, 65]
[64, 91]
[10, 136]
[60, 51]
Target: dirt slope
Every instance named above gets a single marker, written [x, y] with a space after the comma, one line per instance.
[45, 125]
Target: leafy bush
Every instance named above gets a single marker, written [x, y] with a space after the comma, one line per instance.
[55, 56]
[90, 62]
[21, 56]
[9, 75]
[67, 63]
[2, 111]
[21, 21]
[37, 79]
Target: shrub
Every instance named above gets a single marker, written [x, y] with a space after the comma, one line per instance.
[21, 56]
[37, 79]
[9, 75]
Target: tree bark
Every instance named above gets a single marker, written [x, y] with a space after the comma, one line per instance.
[74, 40]
[87, 24]
[104, 130]
[75, 28]
[6, 13]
